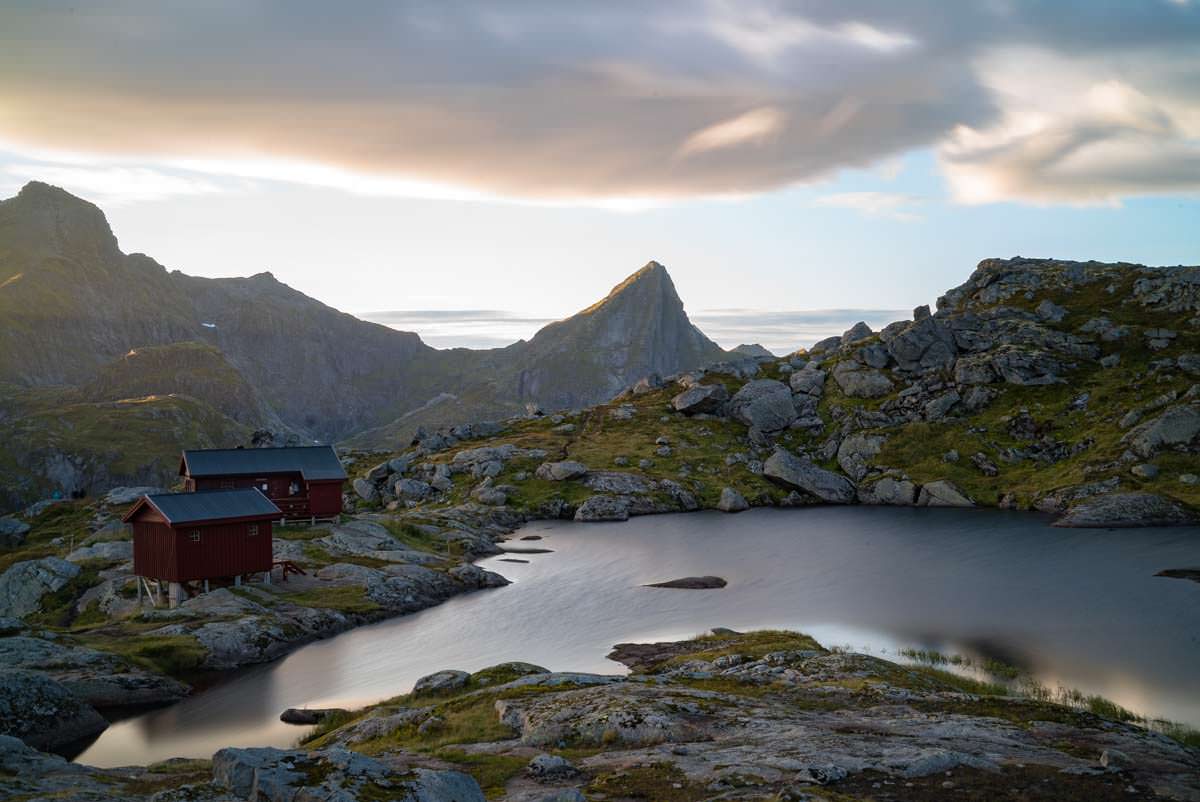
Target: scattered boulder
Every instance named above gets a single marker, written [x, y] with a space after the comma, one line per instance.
[366, 490]
[1178, 426]
[732, 501]
[943, 493]
[1119, 510]
[786, 469]
[857, 381]
[1050, 312]
[550, 768]
[764, 404]
[889, 491]
[856, 333]
[23, 585]
[413, 489]
[561, 471]
[307, 715]
[856, 451]
[108, 551]
[603, 507]
[441, 681]
[701, 398]
[120, 496]
[809, 381]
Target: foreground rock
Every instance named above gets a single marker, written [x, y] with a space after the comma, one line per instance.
[42, 713]
[735, 716]
[99, 679]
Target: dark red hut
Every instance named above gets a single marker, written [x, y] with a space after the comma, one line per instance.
[180, 538]
[304, 482]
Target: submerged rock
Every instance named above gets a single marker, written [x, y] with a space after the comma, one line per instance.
[692, 583]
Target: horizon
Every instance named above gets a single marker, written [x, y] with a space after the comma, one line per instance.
[777, 158]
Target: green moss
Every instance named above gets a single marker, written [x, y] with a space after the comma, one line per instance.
[657, 782]
[173, 655]
[344, 598]
[492, 772]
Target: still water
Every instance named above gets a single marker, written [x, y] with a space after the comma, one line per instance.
[1080, 608]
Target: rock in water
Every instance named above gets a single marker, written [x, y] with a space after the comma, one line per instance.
[785, 468]
[692, 583]
[732, 501]
[1119, 510]
[42, 713]
[23, 585]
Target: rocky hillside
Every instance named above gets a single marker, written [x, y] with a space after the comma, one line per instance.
[1057, 386]
[81, 315]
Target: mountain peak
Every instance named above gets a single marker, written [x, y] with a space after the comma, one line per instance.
[651, 283]
[54, 219]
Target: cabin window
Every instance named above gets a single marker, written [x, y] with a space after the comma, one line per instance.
[294, 489]
[252, 530]
[195, 535]
[263, 485]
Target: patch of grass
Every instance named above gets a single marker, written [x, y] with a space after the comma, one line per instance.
[344, 598]
[334, 721]
[752, 645]
[492, 772]
[58, 607]
[173, 655]
[657, 782]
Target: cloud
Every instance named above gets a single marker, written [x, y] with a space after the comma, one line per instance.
[619, 104]
[114, 185]
[890, 205]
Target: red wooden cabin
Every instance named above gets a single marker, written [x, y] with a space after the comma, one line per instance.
[304, 482]
[196, 537]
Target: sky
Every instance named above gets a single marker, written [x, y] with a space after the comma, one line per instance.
[470, 170]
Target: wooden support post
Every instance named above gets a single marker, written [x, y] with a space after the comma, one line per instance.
[267, 577]
[206, 586]
[237, 581]
[138, 581]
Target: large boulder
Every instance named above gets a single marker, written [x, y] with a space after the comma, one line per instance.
[764, 404]
[561, 471]
[366, 490]
[856, 452]
[889, 491]
[43, 713]
[23, 585]
[925, 344]
[603, 508]
[786, 469]
[1119, 510]
[858, 381]
[701, 398]
[732, 501]
[1178, 426]
[108, 551]
[943, 493]
[810, 381]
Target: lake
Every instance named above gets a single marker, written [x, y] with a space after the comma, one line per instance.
[1081, 608]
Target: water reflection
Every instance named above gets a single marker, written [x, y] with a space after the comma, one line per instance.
[1077, 607]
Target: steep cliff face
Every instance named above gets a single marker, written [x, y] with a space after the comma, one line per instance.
[637, 329]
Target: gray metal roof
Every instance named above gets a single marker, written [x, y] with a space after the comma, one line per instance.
[211, 505]
[311, 462]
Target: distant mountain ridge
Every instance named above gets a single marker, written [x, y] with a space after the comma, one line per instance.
[75, 308]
